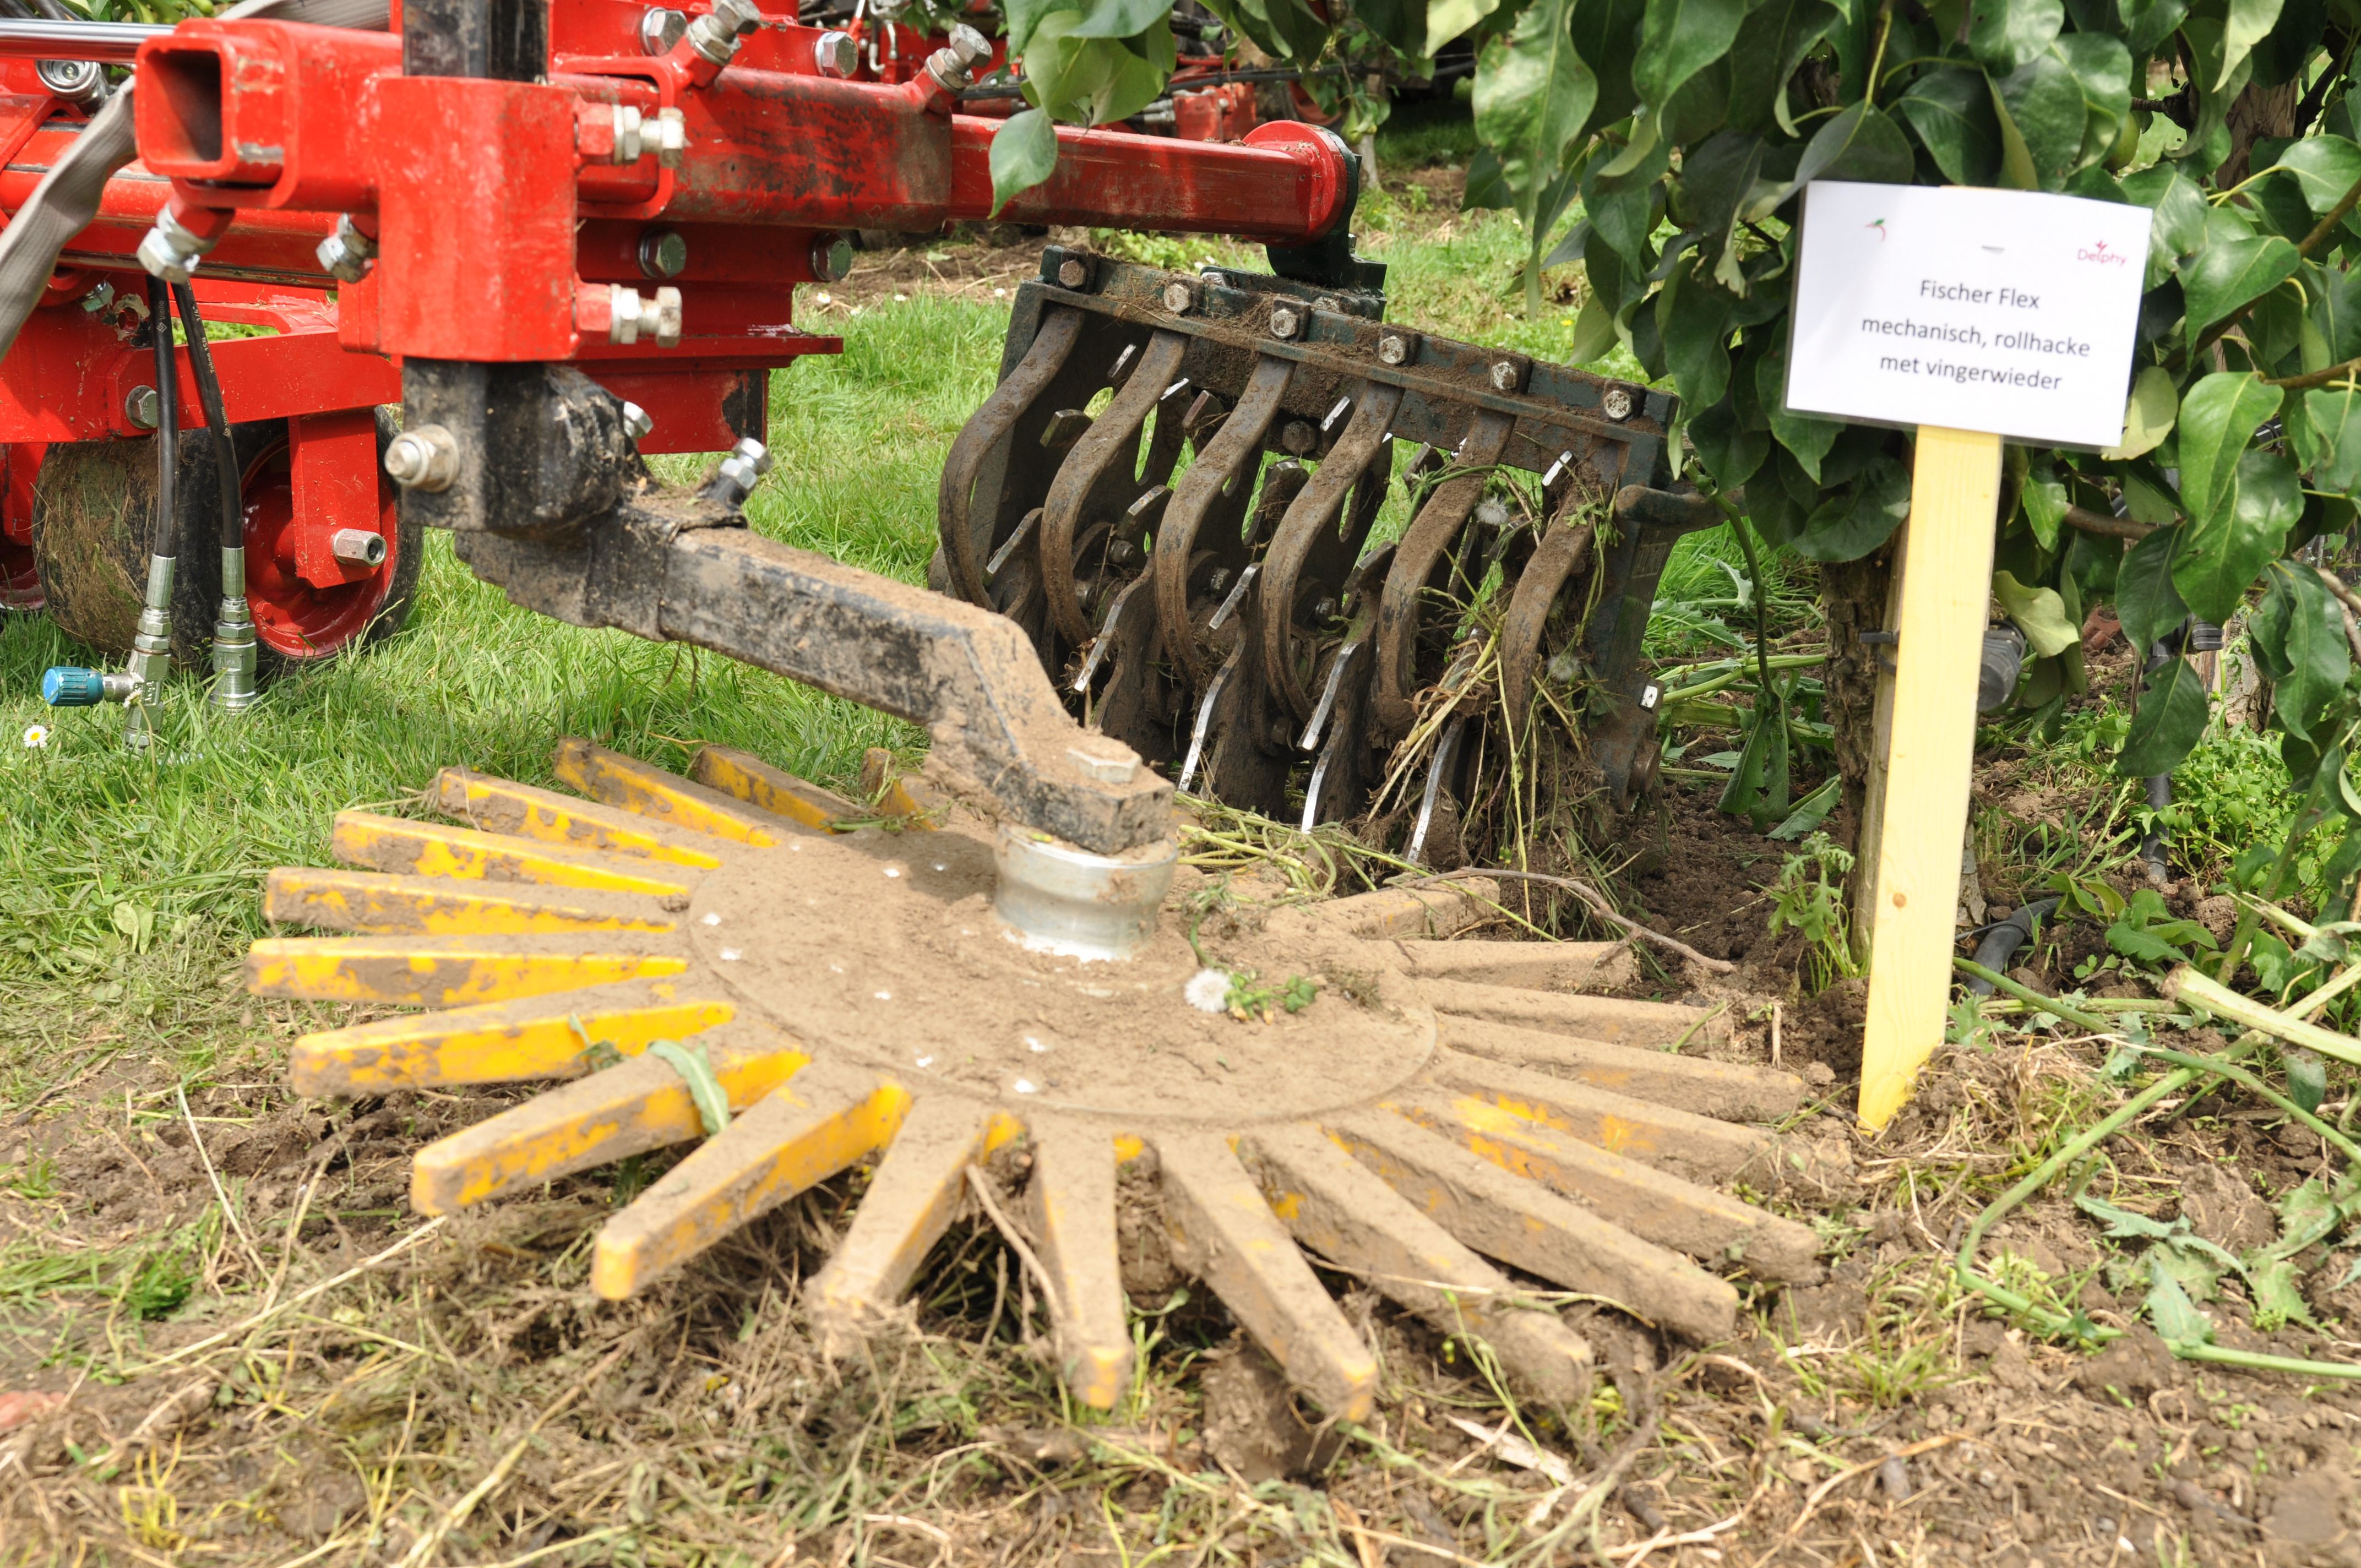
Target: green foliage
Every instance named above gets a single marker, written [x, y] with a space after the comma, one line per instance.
[1808, 896]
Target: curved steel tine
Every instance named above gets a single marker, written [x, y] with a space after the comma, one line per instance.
[1422, 562]
[989, 433]
[1336, 682]
[1231, 454]
[1310, 523]
[1446, 752]
[1112, 439]
[1341, 778]
[1563, 553]
[1103, 642]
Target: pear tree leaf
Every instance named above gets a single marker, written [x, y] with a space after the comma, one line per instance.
[2039, 613]
[2149, 416]
[2167, 726]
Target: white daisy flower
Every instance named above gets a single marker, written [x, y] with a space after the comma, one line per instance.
[36, 736]
[1208, 991]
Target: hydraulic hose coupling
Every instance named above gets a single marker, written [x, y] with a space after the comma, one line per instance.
[179, 241]
[65, 685]
[151, 652]
[235, 652]
[740, 472]
[348, 253]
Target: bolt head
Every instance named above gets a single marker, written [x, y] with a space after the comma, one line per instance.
[1298, 437]
[637, 420]
[972, 47]
[667, 135]
[831, 259]
[836, 54]
[1219, 581]
[753, 454]
[660, 29]
[1177, 298]
[76, 80]
[425, 458]
[1284, 321]
[1072, 274]
[1616, 403]
[663, 253]
[1393, 350]
[1325, 610]
[1504, 377]
[101, 294]
[140, 407]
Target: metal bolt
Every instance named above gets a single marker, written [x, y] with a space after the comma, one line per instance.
[1298, 437]
[836, 54]
[1219, 581]
[1106, 770]
[346, 254]
[76, 80]
[427, 458]
[101, 294]
[637, 420]
[739, 473]
[667, 135]
[628, 143]
[1177, 298]
[139, 407]
[1392, 349]
[663, 315]
[715, 35]
[661, 29]
[972, 47]
[357, 547]
[1325, 303]
[1122, 553]
[1212, 280]
[1325, 610]
[171, 252]
[663, 253]
[1504, 377]
[831, 259]
[1072, 274]
[1284, 321]
[1616, 403]
[623, 314]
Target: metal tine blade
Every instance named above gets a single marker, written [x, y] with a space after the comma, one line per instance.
[1327, 705]
[628, 1109]
[1446, 757]
[1105, 455]
[986, 437]
[1311, 523]
[1104, 644]
[1205, 710]
[1421, 567]
[1012, 543]
[915, 1193]
[1347, 1213]
[1231, 455]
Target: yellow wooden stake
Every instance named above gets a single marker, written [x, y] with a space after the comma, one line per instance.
[1946, 591]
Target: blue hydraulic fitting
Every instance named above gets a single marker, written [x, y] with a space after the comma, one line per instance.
[64, 686]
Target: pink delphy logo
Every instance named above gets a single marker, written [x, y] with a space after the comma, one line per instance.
[2101, 255]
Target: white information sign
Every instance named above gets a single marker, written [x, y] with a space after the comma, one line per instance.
[2008, 312]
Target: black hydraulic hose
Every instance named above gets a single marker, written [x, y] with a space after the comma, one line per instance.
[201, 359]
[167, 422]
[2001, 941]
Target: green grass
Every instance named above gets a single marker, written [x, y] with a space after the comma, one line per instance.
[1439, 132]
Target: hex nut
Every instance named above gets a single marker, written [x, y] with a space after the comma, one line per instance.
[1297, 438]
[141, 407]
[1178, 297]
[1393, 349]
[1504, 376]
[663, 315]
[100, 295]
[667, 135]
[660, 29]
[663, 254]
[831, 259]
[1072, 274]
[357, 547]
[972, 47]
[637, 420]
[345, 254]
[1284, 321]
[425, 458]
[1616, 402]
[836, 54]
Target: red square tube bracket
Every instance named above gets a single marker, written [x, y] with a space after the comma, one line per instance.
[475, 209]
[260, 114]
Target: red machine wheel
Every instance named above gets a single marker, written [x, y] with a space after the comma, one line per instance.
[95, 516]
[292, 619]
